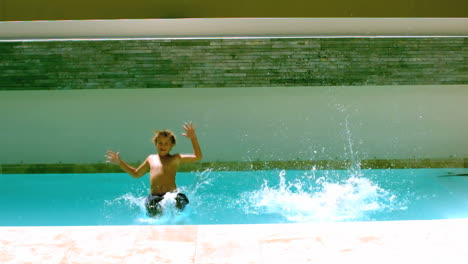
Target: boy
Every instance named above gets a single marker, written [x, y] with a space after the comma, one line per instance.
[162, 167]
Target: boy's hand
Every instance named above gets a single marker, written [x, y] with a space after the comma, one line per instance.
[113, 157]
[190, 131]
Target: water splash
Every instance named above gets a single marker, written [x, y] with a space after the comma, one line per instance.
[135, 208]
[130, 207]
[127, 200]
[281, 196]
[355, 162]
[170, 214]
[355, 198]
[202, 180]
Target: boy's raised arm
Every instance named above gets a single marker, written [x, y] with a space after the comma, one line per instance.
[114, 157]
[197, 154]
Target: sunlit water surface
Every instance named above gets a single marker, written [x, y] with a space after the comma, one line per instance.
[244, 197]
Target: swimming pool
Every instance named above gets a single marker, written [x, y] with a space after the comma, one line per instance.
[238, 197]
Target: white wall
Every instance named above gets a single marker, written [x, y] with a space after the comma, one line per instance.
[237, 124]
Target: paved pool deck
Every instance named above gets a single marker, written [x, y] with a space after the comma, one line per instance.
[435, 241]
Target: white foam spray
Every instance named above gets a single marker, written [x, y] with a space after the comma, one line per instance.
[298, 201]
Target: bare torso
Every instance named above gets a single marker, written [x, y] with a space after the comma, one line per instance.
[163, 173]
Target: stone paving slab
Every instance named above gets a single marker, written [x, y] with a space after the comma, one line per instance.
[436, 241]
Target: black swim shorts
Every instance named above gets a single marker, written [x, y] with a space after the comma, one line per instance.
[154, 208]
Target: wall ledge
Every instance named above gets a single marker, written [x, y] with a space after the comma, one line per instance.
[248, 166]
[231, 28]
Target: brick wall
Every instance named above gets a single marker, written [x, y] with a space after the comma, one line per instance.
[113, 64]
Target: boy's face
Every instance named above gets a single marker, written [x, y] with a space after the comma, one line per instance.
[164, 145]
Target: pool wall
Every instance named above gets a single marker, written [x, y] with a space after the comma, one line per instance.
[252, 99]
[242, 124]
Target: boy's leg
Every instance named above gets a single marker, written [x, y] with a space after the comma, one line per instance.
[152, 204]
[181, 201]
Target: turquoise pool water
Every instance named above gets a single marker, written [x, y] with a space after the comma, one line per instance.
[243, 197]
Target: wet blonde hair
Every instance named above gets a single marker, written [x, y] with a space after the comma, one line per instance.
[164, 133]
